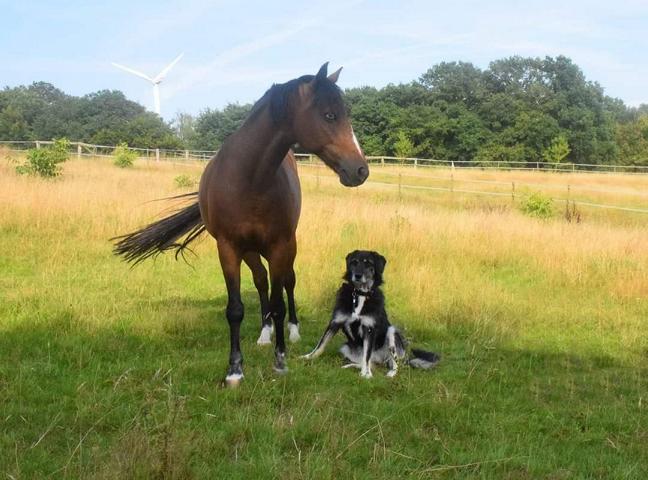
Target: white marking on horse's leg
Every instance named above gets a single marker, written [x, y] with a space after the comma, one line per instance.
[266, 335]
[233, 380]
[294, 336]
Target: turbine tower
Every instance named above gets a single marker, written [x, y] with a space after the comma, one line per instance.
[155, 80]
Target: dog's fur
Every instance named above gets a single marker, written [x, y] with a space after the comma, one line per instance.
[360, 313]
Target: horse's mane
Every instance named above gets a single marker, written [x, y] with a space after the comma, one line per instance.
[278, 97]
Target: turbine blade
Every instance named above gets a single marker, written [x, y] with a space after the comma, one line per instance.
[163, 73]
[134, 72]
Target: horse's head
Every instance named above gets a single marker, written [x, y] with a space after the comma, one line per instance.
[321, 126]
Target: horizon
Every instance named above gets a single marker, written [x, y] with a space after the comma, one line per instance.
[377, 42]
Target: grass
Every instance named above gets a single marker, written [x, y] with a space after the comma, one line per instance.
[107, 372]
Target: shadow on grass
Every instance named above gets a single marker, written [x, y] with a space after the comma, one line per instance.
[113, 402]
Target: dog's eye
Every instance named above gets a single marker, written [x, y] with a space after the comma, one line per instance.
[353, 262]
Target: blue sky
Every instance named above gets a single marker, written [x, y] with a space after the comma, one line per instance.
[235, 50]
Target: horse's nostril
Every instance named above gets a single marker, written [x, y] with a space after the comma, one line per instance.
[363, 172]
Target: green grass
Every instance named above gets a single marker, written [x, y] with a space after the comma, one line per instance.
[107, 372]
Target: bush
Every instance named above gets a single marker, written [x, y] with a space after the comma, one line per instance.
[124, 156]
[184, 181]
[538, 205]
[45, 161]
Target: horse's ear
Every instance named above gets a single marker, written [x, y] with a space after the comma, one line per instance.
[321, 75]
[335, 75]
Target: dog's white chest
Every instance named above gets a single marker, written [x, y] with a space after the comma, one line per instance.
[355, 315]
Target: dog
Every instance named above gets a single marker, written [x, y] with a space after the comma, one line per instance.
[360, 313]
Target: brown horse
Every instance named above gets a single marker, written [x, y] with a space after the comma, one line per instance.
[249, 200]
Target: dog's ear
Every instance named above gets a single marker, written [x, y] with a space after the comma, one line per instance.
[380, 262]
[351, 254]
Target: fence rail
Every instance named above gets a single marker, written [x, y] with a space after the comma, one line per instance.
[450, 183]
[87, 149]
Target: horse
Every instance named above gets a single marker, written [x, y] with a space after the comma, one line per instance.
[249, 200]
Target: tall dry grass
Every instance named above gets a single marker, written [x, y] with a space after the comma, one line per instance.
[442, 251]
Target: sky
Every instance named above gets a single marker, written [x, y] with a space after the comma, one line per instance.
[234, 51]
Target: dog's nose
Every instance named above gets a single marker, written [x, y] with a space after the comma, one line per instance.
[356, 277]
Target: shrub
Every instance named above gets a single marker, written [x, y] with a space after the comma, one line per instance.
[124, 156]
[45, 161]
[184, 181]
[538, 205]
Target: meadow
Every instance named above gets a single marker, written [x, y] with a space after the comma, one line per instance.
[112, 372]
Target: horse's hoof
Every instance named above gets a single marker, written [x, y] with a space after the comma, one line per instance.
[266, 335]
[233, 380]
[294, 336]
[280, 363]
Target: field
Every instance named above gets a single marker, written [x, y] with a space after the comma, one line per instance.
[108, 372]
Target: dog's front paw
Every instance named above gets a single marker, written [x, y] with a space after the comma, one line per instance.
[366, 374]
[392, 373]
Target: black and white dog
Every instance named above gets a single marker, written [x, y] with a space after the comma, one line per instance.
[360, 313]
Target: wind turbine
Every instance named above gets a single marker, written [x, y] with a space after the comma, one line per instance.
[155, 80]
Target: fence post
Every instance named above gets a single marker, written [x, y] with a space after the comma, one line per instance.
[157, 154]
[537, 165]
[187, 155]
[78, 151]
[37, 144]
[382, 161]
[416, 163]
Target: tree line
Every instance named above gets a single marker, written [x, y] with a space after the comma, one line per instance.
[516, 110]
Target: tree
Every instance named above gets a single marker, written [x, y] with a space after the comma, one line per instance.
[557, 151]
[403, 147]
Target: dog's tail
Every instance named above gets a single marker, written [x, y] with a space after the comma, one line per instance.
[423, 359]
[163, 235]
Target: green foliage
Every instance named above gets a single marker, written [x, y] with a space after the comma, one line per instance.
[106, 117]
[403, 147]
[212, 127]
[45, 161]
[557, 151]
[184, 181]
[538, 205]
[124, 156]
[632, 138]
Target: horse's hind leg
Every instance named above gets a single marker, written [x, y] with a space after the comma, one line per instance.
[230, 261]
[293, 323]
[260, 276]
[280, 261]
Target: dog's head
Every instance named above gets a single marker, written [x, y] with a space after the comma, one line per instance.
[364, 269]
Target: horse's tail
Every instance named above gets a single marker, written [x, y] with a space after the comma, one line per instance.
[423, 359]
[163, 235]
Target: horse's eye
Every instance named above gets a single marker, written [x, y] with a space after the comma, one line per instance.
[330, 116]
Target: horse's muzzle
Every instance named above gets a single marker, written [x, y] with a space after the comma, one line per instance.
[354, 176]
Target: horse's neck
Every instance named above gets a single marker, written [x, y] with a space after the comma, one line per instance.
[266, 145]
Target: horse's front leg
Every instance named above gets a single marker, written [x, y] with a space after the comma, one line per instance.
[230, 261]
[280, 261]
